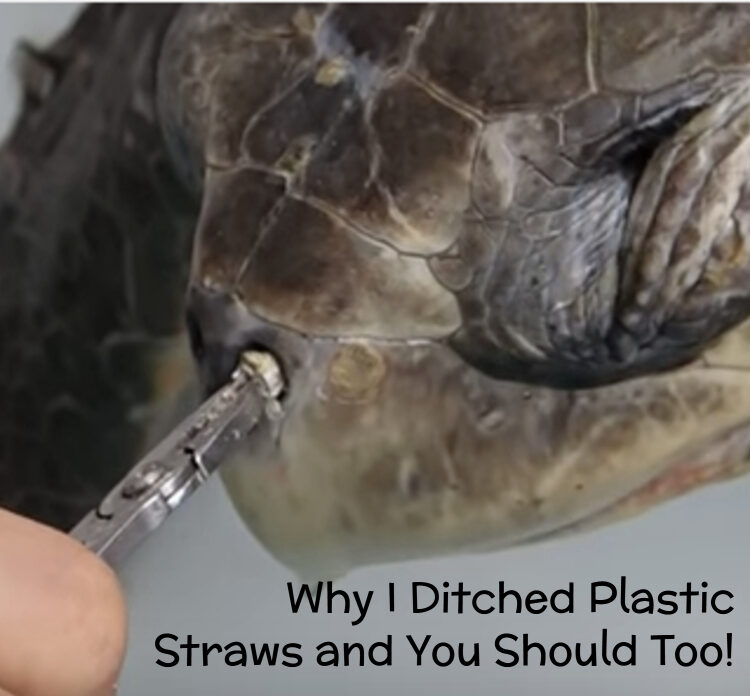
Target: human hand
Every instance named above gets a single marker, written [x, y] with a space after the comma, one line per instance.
[62, 615]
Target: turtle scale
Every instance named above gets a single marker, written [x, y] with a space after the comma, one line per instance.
[492, 58]
[406, 136]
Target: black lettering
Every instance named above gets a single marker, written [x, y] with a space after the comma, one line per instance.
[503, 594]
[689, 594]
[188, 646]
[448, 659]
[488, 610]
[337, 593]
[566, 654]
[564, 594]
[418, 650]
[387, 645]
[470, 661]
[208, 649]
[265, 653]
[725, 593]
[304, 593]
[693, 655]
[292, 655]
[719, 655]
[595, 598]
[349, 648]
[528, 646]
[629, 648]
[667, 605]
[460, 594]
[166, 651]
[232, 649]
[512, 654]
[662, 640]
[536, 597]
[643, 602]
[328, 654]
[428, 586]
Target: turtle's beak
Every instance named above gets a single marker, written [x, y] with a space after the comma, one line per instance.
[391, 450]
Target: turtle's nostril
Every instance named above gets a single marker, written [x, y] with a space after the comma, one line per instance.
[215, 336]
[195, 335]
[220, 328]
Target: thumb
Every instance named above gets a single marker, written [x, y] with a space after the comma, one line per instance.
[62, 614]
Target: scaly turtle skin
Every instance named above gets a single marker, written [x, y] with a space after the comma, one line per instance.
[497, 248]
[501, 252]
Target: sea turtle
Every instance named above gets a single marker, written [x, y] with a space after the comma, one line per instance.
[501, 252]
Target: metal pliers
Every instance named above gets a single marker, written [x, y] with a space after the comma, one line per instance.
[183, 461]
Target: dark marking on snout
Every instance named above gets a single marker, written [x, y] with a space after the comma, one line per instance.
[220, 328]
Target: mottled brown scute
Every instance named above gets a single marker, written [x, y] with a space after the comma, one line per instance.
[339, 169]
[234, 97]
[204, 85]
[311, 273]
[427, 175]
[238, 200]
[311, 111]
[494, 56]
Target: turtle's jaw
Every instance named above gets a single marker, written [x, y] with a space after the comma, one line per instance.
[394, 450]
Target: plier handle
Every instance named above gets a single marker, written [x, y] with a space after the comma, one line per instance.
[163, 479]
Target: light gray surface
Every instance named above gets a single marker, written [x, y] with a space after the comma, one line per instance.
[204, 574]
[40, 24]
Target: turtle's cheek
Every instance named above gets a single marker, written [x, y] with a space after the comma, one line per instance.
[221, 328]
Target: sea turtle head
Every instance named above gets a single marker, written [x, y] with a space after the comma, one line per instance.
[485, 336]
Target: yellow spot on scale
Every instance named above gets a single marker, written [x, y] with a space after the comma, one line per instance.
[332, 72]
[356, 372]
